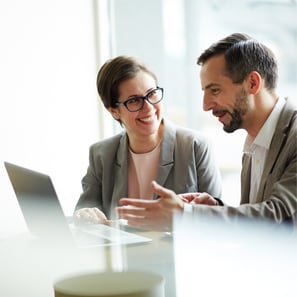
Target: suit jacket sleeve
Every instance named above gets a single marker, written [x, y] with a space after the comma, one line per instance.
[277, 196]
[99, 182]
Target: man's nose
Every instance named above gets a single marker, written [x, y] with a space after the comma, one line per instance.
[208, 103]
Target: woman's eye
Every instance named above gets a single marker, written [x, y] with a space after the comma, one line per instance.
[152, 93]
[134, 100]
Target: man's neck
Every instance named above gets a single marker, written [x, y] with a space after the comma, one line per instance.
[262, 108]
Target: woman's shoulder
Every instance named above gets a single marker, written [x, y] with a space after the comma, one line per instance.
[108, 143]
[183, 136]
[185, 132]
[190, 136]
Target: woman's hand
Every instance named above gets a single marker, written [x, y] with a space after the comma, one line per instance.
[91, 215]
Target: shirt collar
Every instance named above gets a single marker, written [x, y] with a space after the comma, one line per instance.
[265, 134]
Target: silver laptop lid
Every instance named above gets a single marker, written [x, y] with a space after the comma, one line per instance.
[39, 203]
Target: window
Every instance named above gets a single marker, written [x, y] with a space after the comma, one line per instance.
[169, 35]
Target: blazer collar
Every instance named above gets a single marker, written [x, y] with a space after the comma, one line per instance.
[167, 153]
[165, 165]
[278, 140]
[120, 171]
[167, 146]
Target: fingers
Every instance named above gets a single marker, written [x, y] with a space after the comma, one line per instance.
[140, 218]
[93, 215]
[188, 197]
[204, 198]
[151, 214]
[161, 191]
[135, 202]
[135, 216]
[127, 212]
[198, 198]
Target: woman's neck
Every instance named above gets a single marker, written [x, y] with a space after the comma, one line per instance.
[147, 143]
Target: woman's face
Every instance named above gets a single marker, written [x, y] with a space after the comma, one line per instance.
[146, 121]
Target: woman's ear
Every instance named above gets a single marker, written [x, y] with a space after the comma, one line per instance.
[114, 112]
[255, 82]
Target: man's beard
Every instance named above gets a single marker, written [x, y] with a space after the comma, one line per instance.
[240, 109]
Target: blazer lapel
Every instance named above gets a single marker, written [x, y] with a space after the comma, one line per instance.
[120, 171]
[167, 153]
[245, 178]
[277, 142]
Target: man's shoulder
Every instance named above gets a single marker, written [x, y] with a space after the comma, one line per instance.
[290, 105]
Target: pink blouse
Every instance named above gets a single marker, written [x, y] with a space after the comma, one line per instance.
[142, 170]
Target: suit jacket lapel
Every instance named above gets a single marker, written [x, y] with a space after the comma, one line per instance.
[276, 145]
[245, 178]
[167, 153]
[120, 171]
[165, 165]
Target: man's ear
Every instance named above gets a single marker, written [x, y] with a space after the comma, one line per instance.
[114, 112]
[254, 82]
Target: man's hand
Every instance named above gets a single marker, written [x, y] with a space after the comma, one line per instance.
[151, 214]
[198, 198]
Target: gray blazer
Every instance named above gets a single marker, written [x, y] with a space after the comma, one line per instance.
[277, 195]
[186, 165]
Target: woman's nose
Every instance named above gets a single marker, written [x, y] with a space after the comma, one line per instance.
[147, 105]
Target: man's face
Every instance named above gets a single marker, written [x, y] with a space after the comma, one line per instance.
[228, 101]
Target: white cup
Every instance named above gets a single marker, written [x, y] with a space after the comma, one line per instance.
[111, 284]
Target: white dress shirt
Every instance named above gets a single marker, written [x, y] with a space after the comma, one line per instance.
[259, 146]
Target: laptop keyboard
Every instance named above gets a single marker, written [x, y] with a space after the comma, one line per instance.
[105, 235]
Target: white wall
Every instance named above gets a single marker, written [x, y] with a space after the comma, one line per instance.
[48, 100]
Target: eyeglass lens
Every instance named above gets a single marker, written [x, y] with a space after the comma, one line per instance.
[137, 103]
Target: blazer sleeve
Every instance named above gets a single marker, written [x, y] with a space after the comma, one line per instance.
[98, 183]
[277, 202]
[91, 195]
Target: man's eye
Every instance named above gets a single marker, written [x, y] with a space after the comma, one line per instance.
[215, 91]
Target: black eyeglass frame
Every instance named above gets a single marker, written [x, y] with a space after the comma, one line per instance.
[146, 97]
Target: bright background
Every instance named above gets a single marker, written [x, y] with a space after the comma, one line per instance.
[49, 57]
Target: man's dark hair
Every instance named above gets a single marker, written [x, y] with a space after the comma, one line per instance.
[243, 54]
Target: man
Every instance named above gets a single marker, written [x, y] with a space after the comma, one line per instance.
[238, 77]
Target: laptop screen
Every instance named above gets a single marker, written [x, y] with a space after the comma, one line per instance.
[45, 218]
[38, 201]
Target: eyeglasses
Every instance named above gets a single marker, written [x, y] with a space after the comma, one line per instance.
[137, 103]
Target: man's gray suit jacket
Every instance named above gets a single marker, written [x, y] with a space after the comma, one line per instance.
[277, 195]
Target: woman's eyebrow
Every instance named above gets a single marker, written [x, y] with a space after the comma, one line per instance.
[149, 90]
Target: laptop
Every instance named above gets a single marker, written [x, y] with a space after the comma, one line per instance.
[45, 218]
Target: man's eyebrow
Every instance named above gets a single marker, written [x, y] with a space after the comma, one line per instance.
[211, 85]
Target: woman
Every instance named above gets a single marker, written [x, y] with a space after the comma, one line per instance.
[149, 148]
